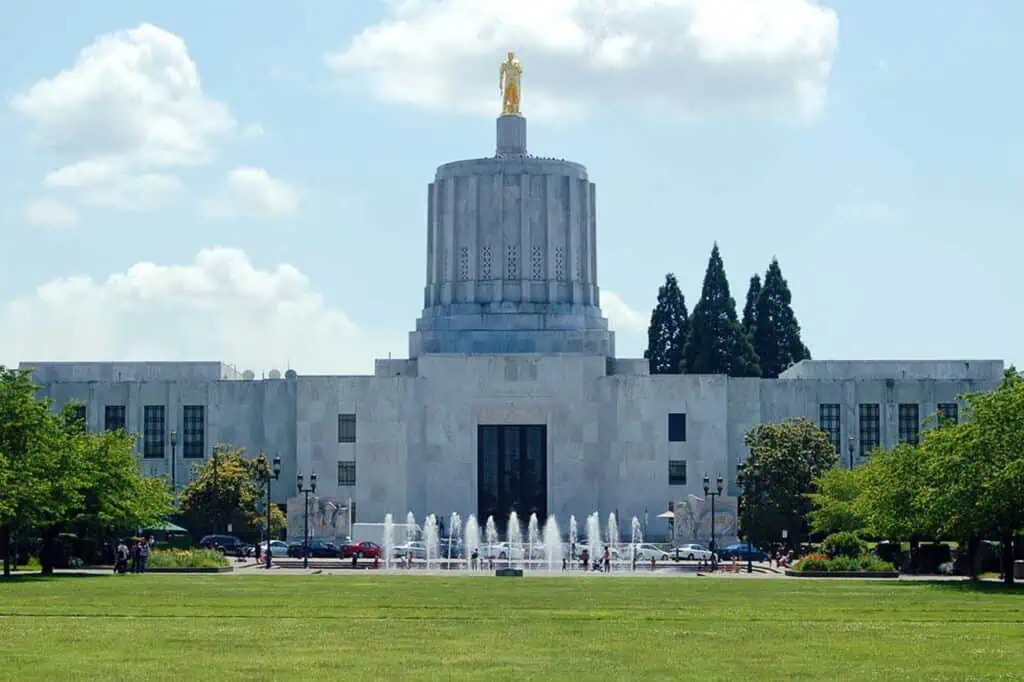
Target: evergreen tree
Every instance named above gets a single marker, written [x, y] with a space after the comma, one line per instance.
[717, 343]
[777, 332]
[750, 307]
[670, 325]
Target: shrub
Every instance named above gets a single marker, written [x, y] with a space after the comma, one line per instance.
[844, 564]
[812, 562]
[186, 558]
[843, 544]
[870, 562]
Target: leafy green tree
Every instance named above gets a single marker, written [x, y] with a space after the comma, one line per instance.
[837, 502]
[778, 477]
[776, 332]
[750, 307]
[229, 489]
[891, 496]
[975, 470]
[717, 343]
[669, 328]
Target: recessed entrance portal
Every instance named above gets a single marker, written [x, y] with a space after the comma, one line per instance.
[512, 472]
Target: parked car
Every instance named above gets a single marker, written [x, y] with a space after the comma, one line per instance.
[318, 549]
[417, 549]
[691, 552]
[227, 544]
[742, 551]
[277, 548]
[361, 550]
[644, 553]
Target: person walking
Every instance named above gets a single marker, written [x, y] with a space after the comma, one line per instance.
[143, 556]
[121, 557]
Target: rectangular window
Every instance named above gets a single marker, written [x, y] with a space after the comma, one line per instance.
[346, 428]
[153, 430]
[870, 428]
[346, 474]
[949, 413]
[830, 421]
[113, 418]
[193, 423]
[677, 472]
[677, 427]
[909, 423]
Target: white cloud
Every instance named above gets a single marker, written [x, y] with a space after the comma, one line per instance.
[50, 213]
[253, 130]
[686, 57]
[621, 317]
[106, 183]
[130, 105]
[252, 191]
[219, 307]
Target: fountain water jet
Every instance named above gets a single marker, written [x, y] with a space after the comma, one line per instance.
[491, 531]
[472, 541]
[613, 534]
[431, 541]
[514, 535]
[573, 537]
[594, 537]
[454, 531]
[410, 533]
[532, 537]
[552, 544]
[389, 539]
[636, 538]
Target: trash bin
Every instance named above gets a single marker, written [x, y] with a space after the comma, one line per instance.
[1018, 570]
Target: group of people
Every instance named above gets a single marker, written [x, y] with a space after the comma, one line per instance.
[134, 558]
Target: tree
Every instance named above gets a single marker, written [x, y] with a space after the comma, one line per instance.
[229, 489]
[778, 477]
[717, 343]
[750, 307]
[669, 328]
[837, 502]
[975, 470]
[776, 332]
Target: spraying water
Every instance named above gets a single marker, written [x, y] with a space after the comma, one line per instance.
[389, 539]
[613, 533]
[594, 536]
[410, 532]
[573, 537]
[532, 537]
[552, 544]
[514, 535]
[636, 539]
[491, 531]
[472, 541]
[454, 531]
[431, 542]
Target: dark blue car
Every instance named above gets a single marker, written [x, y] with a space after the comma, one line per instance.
[742, 551]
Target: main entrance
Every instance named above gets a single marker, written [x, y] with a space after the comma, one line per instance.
[512, 472]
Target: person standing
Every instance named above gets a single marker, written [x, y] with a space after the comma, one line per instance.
[143, 556]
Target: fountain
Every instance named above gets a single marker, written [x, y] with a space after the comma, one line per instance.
[472, 542]
[552, 544]
[613, 534]
[636, 539]
[431, 542]
[594, 537]
[454, 531]
[573, 538]
[491, 533]
[532, 538]
[389, 539]
[410, 535]
[514, 535]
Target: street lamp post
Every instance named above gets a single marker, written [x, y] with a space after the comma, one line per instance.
[271, 475]
[174, 447]
[712, 494]
[740, 503]
[305, 516]
[849, 449]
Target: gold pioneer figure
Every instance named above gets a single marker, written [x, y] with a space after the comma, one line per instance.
[509, 77]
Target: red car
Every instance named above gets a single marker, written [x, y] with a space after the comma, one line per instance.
[361, 550]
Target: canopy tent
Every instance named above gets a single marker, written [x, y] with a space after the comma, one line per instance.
[667, 514]
[168, 527]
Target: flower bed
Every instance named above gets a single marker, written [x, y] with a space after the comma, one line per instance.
[822, 565]
[208, 559]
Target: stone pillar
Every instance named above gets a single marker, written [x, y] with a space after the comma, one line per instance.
[511, 135]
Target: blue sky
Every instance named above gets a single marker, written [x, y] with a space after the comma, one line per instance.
[872, 147]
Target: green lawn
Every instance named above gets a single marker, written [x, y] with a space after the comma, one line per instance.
[228, 627]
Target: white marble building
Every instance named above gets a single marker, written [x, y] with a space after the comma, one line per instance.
[512, 395]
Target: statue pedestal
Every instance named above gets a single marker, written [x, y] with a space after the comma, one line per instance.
[511, 135]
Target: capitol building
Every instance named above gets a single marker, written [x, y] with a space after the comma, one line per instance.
[512, 397]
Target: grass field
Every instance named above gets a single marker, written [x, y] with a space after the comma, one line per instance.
[156, 627]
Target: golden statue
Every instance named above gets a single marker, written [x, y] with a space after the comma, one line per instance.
[509, 77]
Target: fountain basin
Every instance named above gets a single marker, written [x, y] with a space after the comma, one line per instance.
[509, 573]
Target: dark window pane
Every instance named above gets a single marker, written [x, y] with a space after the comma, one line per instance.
[830, 421]
[193, 432]
[909, 423]
[676, 427]
[949, 413]
[153, 430]
[346, 428]
[346, 473]
[677, 472]
[114, 418]
[870, 428]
